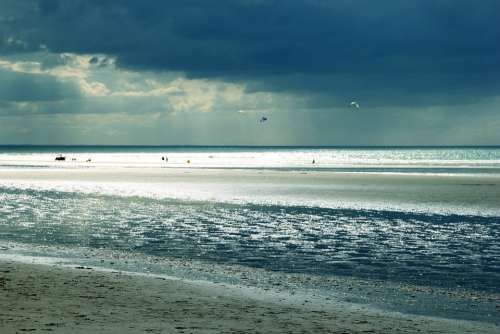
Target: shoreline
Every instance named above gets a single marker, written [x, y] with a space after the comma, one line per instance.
[376, 296]
[61, 300]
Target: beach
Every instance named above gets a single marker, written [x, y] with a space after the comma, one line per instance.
[249, 166]
[56, 299]
[195, 248]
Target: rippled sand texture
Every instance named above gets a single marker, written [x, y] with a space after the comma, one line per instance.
[60, 300]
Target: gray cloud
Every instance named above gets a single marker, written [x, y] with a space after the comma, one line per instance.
[27, 87]
[424, 72]
[395, 53]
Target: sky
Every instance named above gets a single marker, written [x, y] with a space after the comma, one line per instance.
[200, 72]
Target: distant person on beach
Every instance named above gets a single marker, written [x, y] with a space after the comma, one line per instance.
[314, 161]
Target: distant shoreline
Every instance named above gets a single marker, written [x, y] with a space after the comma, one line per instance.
[256, 146]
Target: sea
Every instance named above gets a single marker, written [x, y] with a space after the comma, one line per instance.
[414, 230]
[341, 159]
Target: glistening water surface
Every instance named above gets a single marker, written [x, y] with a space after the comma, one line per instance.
[426, 249]
[403, 159]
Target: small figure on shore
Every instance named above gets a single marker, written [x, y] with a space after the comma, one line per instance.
[89, 160]
[314, 161]
[189, 161]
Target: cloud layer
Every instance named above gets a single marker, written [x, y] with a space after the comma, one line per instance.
[428, 62]
[344, 47]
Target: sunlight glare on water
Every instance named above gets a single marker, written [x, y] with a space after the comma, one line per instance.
[388, 245]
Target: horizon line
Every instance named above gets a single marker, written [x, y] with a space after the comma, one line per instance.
[249, 146]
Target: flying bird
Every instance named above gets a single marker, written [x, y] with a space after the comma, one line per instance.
[354, 105]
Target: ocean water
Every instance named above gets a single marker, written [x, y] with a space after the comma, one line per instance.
[356, 159]
[426, 244]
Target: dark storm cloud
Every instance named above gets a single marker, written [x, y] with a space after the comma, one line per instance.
[27, 87]
[395, 52]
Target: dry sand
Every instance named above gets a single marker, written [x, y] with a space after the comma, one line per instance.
[43, 298]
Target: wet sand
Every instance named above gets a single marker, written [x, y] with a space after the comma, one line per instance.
[48, 298]
[466, 194]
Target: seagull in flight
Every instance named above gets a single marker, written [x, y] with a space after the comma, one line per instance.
[354, 105]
